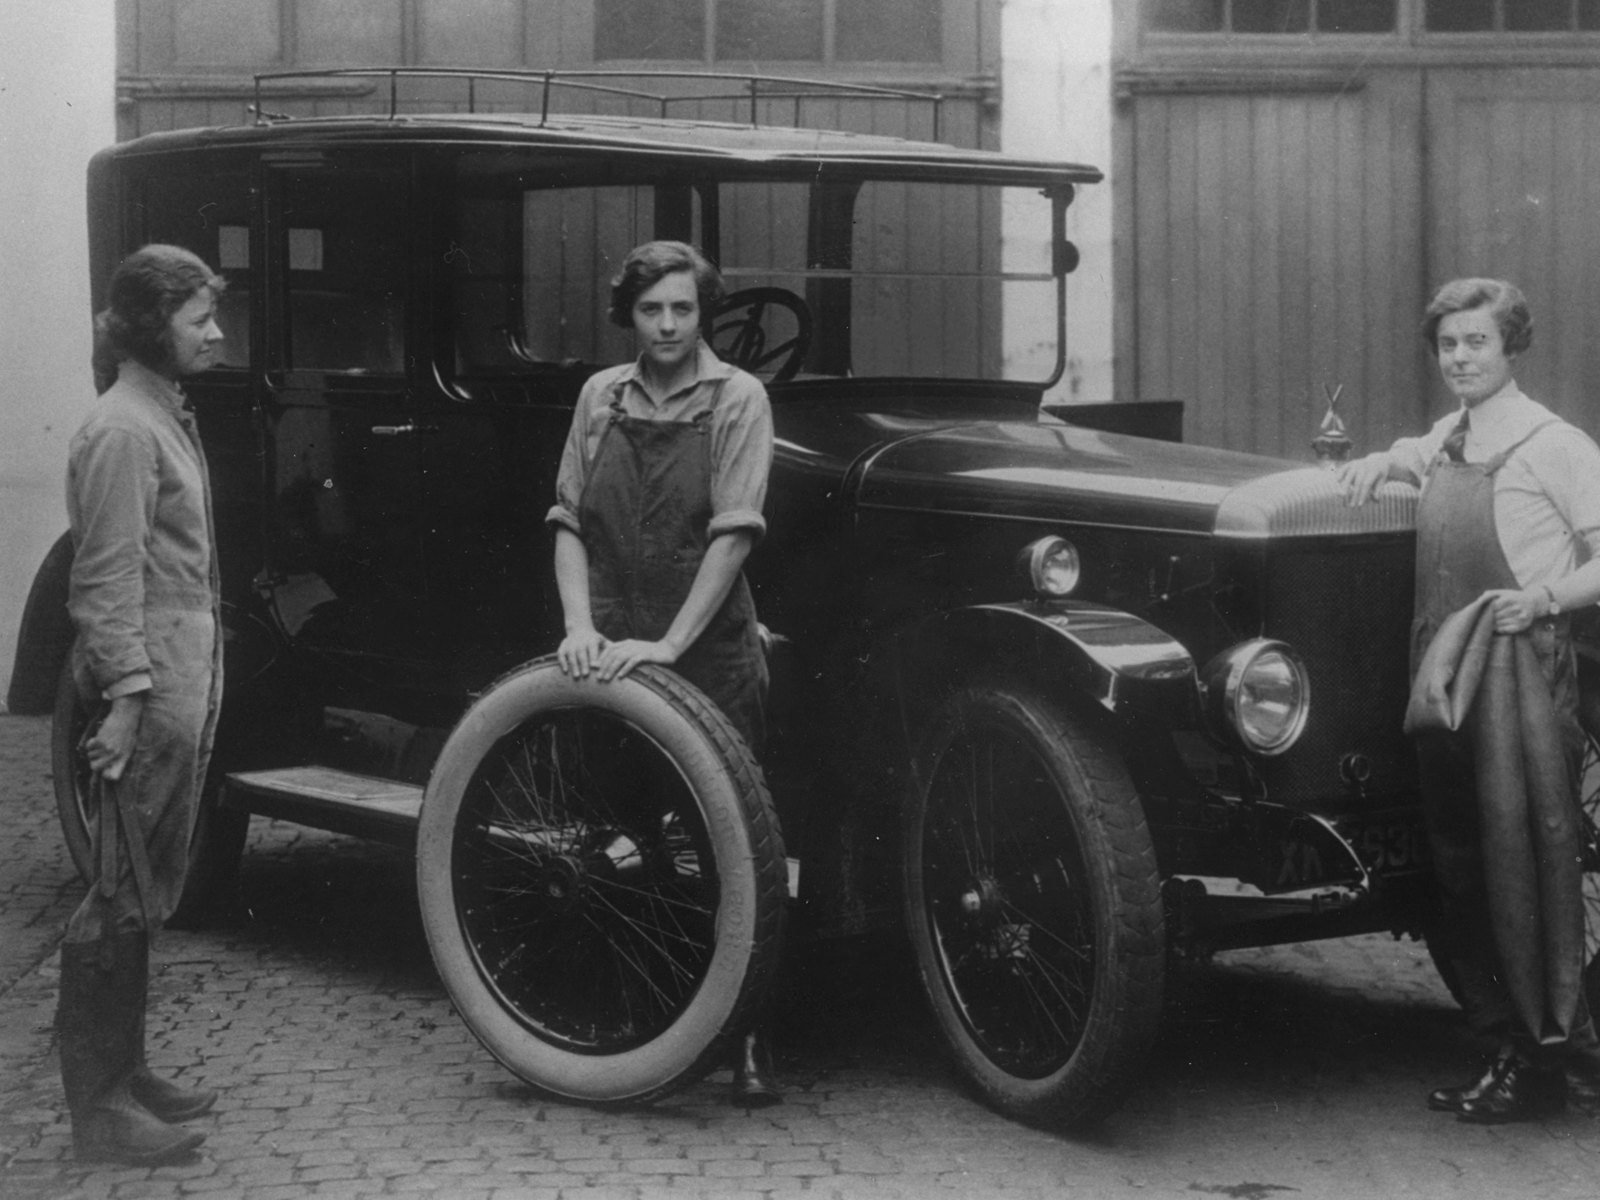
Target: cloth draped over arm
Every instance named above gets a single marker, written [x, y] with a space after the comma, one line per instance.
[1491, 686]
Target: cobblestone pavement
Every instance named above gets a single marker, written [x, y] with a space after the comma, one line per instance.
[1294, 1072]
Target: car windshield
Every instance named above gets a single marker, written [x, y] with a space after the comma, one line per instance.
[826, 278]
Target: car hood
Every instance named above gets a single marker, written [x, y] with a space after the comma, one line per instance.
[1053, 471]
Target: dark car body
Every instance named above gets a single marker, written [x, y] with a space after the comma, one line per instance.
[383, 448]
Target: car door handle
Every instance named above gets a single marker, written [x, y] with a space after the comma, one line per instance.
[399, 430]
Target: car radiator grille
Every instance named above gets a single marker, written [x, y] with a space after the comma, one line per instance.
[1346, 609]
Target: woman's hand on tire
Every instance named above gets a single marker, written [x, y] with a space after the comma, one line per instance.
[580, 652]
[621, 657]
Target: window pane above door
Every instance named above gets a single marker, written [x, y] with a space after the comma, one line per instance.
[1356, 16]
[1186, 16]
[1271, 16]
[889, 31]
[662, 29]
[754, 31]
[1527, 16]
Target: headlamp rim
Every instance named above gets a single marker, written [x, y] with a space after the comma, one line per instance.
[1224, 682]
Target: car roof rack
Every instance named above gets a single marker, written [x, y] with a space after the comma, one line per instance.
[752, 87]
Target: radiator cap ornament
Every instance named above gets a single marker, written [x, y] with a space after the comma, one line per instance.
[1332, 444]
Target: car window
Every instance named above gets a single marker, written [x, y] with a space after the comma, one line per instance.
[341, 238]
[531, 271]
[208, 212]
[827, 278]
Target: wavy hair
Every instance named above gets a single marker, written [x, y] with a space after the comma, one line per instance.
[1505, 302]
[146, 289]
[649, 264]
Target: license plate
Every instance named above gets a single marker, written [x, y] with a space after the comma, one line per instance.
[1391, 845]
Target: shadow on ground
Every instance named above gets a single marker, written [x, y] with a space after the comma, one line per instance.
[1280, 1024]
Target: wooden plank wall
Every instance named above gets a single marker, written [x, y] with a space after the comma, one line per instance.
[1287, 240]
[211, 47]
[1277, 252]
[1515, 192]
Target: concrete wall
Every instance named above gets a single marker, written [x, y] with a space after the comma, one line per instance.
[57, 107]
[1055, 102]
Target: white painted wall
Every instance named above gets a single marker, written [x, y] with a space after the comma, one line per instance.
[1055, 102]
[57, 107]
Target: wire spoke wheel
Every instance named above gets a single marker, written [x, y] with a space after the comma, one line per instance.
[602, 881]
[585, 882]
[1032, 902]
[1004, 877]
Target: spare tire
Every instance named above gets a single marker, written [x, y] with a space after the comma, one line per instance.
[602, 881]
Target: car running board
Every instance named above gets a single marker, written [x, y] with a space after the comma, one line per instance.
[381, 810]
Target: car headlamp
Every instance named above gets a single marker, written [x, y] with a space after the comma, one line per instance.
[1258, 696]
[1051, 567]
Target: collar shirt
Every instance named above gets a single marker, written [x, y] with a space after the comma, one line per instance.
[1546, 497]
[138, 506]
[741, 436]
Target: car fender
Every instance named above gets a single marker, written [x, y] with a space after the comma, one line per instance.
[252, 645]
[45, 636]
[1116, 660]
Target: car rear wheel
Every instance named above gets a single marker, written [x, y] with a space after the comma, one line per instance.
[215, 844]
[1033, 904]
[602, 881]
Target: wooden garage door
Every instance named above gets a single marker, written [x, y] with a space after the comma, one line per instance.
[1514, 192]
[1277, 251]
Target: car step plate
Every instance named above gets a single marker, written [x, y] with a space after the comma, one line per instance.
[327, 798]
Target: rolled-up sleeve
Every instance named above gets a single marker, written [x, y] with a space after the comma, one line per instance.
[1413, 454]
[113, 487]
[741, 457]
[1577, 498]
[575, 455]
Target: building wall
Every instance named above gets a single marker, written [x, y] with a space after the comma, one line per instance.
[1056, 103]
[57, 71]
[1287, 203]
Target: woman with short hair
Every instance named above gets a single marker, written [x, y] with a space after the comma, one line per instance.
[143, 598]
[686, 439]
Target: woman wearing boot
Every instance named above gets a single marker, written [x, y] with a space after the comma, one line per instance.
[143, 599]
[1510, 510]
[696, 435]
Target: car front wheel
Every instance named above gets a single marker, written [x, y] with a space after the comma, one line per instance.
[1032, 900]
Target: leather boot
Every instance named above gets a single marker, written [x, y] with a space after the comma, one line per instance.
[752, 1074]
[1523, 1091]
[98, 1058]
[165, 1100]
[1450, 1099]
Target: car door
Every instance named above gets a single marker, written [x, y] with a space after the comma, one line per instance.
[345, 563]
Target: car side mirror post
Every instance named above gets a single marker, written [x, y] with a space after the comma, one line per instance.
[1063, 261]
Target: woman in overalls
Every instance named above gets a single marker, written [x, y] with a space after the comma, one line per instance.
[658, 504]
[143, 598]
[1510, 509]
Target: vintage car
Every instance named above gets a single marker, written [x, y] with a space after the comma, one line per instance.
[1057, 695]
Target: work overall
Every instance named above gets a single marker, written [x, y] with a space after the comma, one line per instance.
[1459, 557]
[645, 512]
[120, 1110]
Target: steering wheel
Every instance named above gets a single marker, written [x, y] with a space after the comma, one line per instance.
[739, 332]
